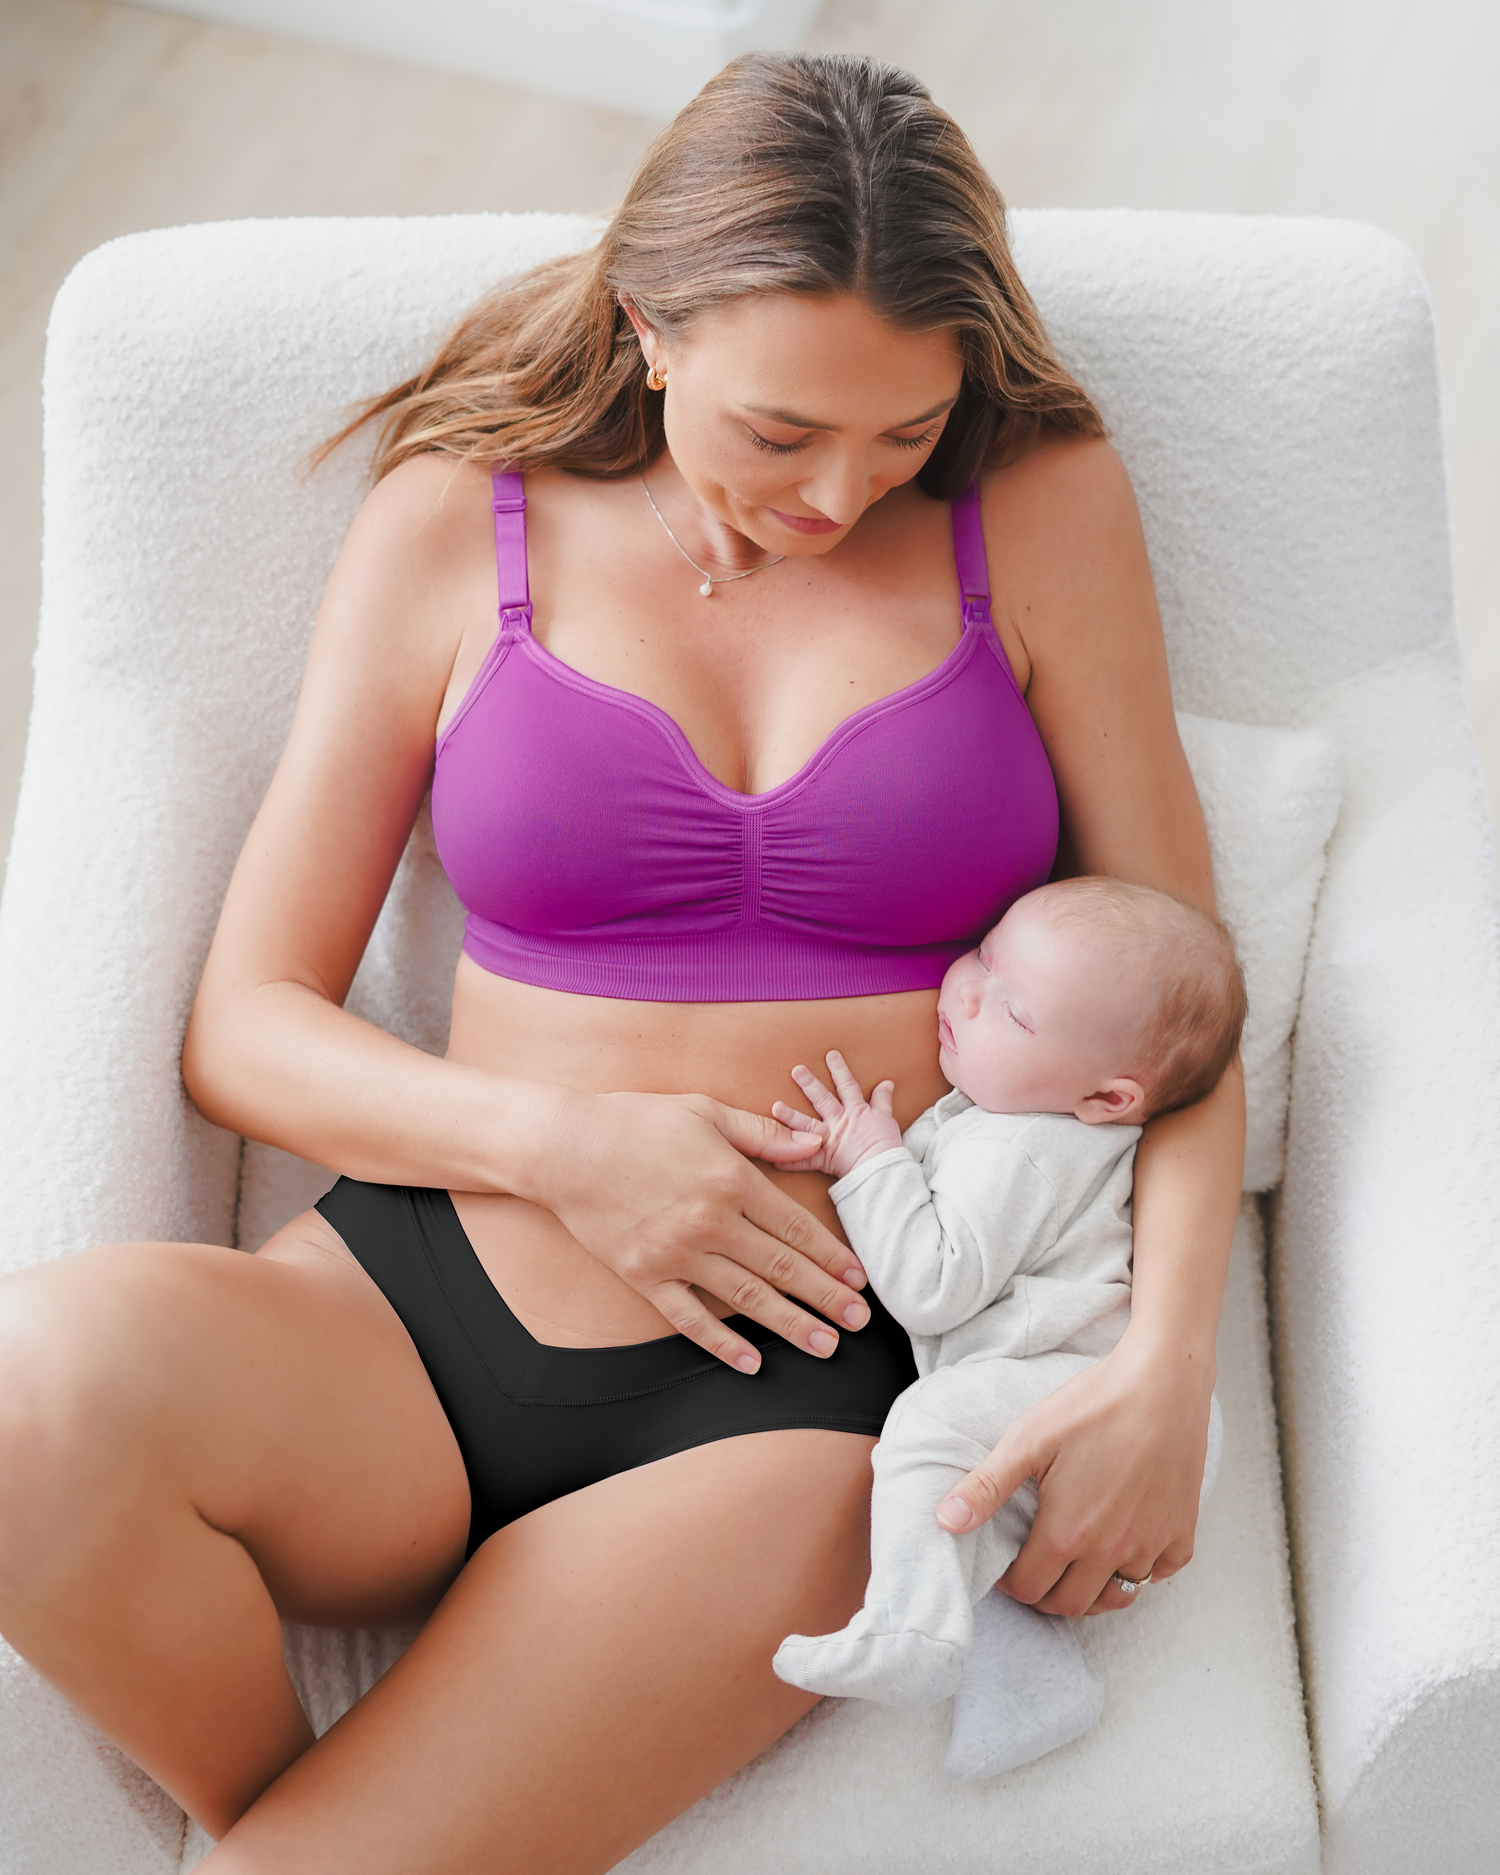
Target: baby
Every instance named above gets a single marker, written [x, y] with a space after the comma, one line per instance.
[997, 1231]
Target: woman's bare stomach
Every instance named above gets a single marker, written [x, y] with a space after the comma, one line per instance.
[740, 1053]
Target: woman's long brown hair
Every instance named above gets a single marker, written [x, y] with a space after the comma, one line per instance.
[794, 173]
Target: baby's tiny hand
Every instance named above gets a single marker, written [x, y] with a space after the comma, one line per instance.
[848, 1128]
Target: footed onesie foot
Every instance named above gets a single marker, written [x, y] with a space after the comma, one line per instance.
[868, 1661]
[1026, 1690]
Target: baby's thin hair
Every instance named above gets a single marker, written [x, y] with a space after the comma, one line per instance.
[1190, 1030]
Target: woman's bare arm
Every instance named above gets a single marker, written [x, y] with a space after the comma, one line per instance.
[1118, 1452]
[657, 1187]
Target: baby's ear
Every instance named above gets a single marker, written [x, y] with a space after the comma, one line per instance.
[1119, 1102]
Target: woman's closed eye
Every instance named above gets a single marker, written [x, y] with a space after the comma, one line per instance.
[777, 449]
[927, 437]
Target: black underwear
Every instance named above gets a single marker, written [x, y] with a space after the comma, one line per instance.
[534, 1422]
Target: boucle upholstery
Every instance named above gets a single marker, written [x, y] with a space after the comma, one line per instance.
[1272, 388]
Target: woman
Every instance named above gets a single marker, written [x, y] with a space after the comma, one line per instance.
[594, 1412]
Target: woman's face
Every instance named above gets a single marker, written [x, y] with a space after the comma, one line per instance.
[788, 415]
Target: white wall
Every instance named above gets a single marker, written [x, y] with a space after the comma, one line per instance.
[648, 56]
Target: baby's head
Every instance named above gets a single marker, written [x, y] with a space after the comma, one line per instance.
[1096, 998]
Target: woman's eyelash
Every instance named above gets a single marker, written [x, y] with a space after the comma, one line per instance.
[790, 449]
[776, 449]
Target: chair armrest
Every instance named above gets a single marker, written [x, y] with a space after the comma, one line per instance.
[1385, 1269]
[108, 910]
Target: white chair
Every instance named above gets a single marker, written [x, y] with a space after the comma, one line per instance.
[1272, 387]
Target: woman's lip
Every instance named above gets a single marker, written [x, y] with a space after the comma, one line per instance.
[805, 523]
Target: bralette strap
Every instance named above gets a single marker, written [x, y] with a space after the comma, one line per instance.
[509, 504]
[969, 555]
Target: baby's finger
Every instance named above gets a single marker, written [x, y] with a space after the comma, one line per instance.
[850, 1091]
[882, 1097]
[798, 1122]
[827, 1103]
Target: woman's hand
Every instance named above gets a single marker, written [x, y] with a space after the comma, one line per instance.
[1117, 1455]
[659, 1187]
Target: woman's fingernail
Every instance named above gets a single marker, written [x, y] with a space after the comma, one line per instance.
[855, 1276]
[822, 1342]
[954, 1514]
[747, 1363]
[856, 1315]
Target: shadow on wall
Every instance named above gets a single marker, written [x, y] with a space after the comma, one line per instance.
[648, 56]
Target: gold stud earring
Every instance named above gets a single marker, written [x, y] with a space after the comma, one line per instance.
[655, 380]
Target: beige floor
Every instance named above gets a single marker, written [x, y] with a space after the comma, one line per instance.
[113, 118]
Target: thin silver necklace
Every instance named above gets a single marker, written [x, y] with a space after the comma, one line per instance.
[709, 582]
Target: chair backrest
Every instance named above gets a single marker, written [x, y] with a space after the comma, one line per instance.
[1271, 385]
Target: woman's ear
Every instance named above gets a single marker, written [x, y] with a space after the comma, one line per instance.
[1119, 1102]
[651, 346]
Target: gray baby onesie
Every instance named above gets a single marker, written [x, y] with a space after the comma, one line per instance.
[1002, 1244]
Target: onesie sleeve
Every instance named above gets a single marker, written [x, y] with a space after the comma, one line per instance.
[941, 1244]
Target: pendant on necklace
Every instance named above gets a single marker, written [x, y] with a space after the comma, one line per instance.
[707, 589]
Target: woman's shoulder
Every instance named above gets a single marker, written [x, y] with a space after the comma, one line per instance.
[1062, 520]
[416, 568]
[426, 507]
[1069, 569]
[1061, 485]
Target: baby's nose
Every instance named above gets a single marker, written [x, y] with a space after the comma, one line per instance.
[968, 997]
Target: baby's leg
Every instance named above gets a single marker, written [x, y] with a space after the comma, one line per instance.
[908, 1644]
[1026, 1687]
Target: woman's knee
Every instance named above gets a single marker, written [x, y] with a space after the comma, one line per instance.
[82, 1388]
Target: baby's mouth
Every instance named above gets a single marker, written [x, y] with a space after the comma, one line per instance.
[945, 1034]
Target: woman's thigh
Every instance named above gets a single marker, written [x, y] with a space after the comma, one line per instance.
[598, 1666]
[277, 1392]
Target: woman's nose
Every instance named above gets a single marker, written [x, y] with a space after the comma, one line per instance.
[839, 488]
